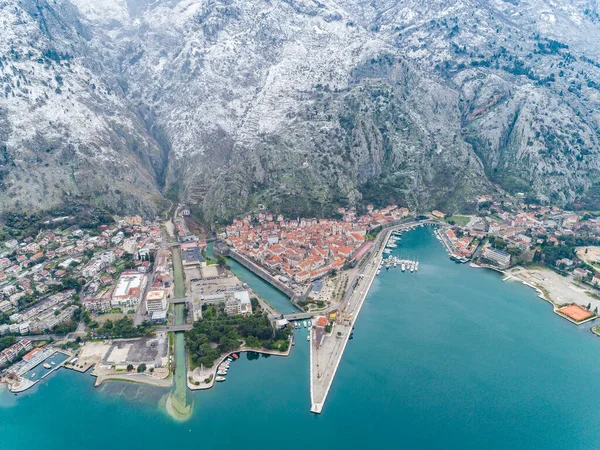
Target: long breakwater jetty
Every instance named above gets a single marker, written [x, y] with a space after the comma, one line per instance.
[326, 349]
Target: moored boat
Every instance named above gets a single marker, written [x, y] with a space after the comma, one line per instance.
[220, 379]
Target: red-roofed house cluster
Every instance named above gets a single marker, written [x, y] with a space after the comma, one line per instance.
[304, 249]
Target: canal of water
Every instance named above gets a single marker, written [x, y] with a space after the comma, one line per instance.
[267, 292]
[179, 403]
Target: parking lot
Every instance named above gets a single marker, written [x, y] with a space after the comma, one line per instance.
[151, 350]
[198, 287]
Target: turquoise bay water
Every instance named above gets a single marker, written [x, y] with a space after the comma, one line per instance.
[449, 357]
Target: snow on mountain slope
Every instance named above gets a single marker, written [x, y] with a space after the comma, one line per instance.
[67, 132]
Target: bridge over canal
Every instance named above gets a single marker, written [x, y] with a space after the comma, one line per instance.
[185, 327]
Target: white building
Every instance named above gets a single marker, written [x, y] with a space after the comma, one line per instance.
[130, 245]
[108, 257]
[239, 305]
[12, 244]
[9, 290]
[497, 256]
[93, 268]
[156, 301]
[97, 304]
[5, 306]
[129, 289]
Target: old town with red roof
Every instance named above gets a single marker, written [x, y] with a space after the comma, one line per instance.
[305, 249]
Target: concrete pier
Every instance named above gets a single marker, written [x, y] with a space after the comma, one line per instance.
[325, 356]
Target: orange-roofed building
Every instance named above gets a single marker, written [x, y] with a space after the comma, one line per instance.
[32, 354]
[322, 322]
[345, 251]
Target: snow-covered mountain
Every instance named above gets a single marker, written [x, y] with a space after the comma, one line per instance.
[298, 104]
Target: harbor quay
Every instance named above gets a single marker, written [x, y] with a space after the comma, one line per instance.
[327, 348]
[35, 366]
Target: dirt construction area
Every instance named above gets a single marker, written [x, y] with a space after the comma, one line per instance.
[151, 351]
[590, 255]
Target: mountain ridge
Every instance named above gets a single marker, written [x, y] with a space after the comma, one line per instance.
[303, 105]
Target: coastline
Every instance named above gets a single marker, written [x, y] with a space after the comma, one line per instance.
[540, 291]
[137, 378]
[212, 373]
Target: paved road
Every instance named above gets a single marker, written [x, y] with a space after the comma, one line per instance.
[299, 316]
[186, 327]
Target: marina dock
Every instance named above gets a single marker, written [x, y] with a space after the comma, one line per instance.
[39, 367]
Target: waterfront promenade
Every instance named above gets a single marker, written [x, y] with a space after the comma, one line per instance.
[325, 356]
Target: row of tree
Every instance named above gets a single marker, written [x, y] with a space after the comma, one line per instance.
[122, 328]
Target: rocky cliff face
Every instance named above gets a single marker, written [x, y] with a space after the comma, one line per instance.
[298, 104]
[67, 132]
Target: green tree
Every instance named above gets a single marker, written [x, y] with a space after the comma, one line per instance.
[141, 368]
[253, 342]
[7, 341]
[129, 367]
